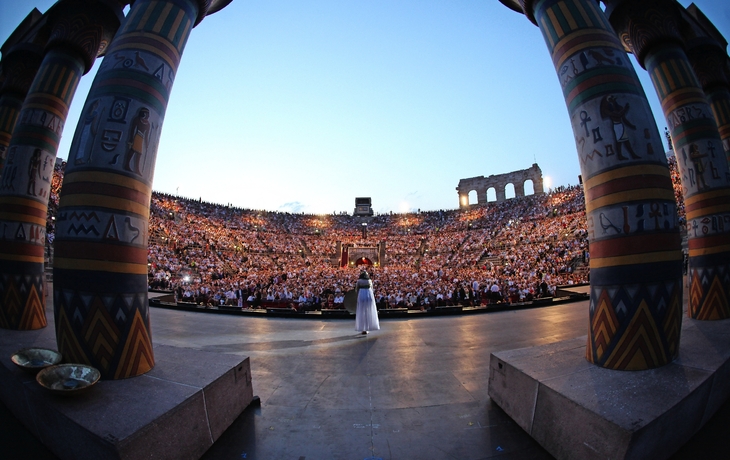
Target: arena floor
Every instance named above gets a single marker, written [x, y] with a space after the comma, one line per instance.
[416, 389]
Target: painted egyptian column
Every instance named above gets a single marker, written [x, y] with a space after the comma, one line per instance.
[79, 31]
[100, 268]
[709, 62]
[19, 68]
[650, 30]
[636, 259]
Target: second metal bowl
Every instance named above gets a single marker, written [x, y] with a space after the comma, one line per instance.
[35, 359]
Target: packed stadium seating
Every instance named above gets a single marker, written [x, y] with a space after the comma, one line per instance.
[512, 251]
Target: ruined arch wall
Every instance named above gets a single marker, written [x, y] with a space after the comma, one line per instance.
[481, 184]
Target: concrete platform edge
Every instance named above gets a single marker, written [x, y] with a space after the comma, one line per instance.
[575, 410]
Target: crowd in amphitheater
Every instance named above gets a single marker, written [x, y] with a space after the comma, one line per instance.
[512, 251]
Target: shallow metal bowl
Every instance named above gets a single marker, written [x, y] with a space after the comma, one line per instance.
[35, 359]
[68, 378]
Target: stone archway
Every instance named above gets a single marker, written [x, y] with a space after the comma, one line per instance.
[499, 182]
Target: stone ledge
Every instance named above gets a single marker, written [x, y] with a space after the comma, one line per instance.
[175, 411]
[578, 410]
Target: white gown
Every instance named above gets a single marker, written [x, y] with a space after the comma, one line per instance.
[366, 315]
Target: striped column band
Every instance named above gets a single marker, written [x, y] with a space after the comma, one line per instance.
[25, 187]
[100, 270]
[705, 179]
[636, 259]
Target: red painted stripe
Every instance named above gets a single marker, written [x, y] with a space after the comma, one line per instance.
[634, 245]
[710, 202]
[624, 184]
[703, 242]
[21, 248]
[678, 137]
[579, 40]
[50, 102]
[92, 250]
[24, 210]
[97, 188]
[677, 98]
[169, 51]
[52, 141]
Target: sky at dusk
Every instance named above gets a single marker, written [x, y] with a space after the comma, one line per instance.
[301, 106]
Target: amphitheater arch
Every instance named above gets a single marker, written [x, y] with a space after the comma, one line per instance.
[529, 187]
[472, 198]
[499, 184]
[491, 195]
[510, 191]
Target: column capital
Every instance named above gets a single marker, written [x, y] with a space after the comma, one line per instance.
[525, 7]
[519, 6]
[86, 27]
[18, 69]
[642, 25]
[208, 7]
[709, 61]
[528, 9]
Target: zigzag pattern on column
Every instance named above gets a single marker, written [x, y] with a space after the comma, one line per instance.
[589, 345]
[68, 346]
[34, 316]
[707, 293]
[137, 357]
[603, 327]
[673, 323]
[18, 315]
[646, 341]
[12, 302]
[105, 331]
[641, 348]
[101, 335]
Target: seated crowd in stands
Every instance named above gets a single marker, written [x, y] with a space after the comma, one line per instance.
[512, 251]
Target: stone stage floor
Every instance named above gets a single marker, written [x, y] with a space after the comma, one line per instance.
[416, 389]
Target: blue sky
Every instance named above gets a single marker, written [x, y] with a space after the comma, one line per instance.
[302, 106]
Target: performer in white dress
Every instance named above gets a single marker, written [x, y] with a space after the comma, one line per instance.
[366, 315]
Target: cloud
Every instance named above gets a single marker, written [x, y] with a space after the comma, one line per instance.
[292, 207]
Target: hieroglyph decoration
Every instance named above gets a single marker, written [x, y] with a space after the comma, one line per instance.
[119, 130]
[101, 225]
[120, 139]
[29, 169]
[606, 126]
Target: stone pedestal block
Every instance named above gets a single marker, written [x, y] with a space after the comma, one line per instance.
[578, 410]
[176, 411]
